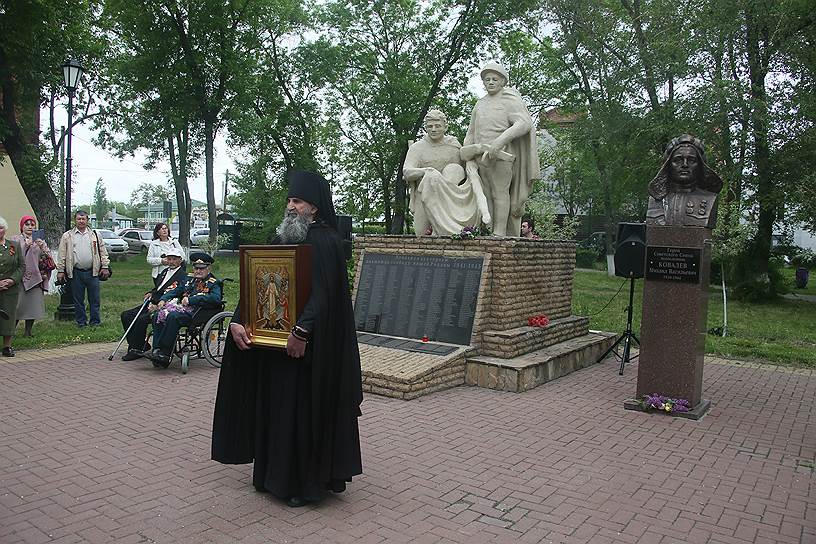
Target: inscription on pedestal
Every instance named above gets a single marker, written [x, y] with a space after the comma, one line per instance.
[416, 296]
[665, 263]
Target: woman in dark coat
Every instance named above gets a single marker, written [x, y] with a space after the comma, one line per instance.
[12, 268]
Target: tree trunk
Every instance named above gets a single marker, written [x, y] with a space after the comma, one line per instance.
[765, 191]
[26, 161]
[178, 165]
[400, 197]
[209, 159]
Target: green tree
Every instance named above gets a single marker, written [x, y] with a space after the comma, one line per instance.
[101, 205]
[35, 38]
[179, 69]
[150, 193]
[393, 61]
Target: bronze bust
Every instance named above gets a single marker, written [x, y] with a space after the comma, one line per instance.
[684, 192]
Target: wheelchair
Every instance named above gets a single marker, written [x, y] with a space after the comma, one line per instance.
[205, 336]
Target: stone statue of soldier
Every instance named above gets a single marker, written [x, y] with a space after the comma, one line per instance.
[501, 150]
[441, 199]
[684, 192]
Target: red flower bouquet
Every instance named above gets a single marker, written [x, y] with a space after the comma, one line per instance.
[538, 321]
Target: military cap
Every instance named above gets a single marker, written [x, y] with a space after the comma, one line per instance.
[199, 259]
[173, 252]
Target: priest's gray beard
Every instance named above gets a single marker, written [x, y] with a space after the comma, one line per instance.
[294, 227]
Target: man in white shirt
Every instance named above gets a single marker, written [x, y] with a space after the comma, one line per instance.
[83, 258]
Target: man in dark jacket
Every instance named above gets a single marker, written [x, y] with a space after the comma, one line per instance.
[294, 411]
[199, 292]
[166, 281]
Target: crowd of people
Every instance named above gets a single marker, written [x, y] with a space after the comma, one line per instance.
[27, 264]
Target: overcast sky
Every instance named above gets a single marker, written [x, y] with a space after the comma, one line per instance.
[122, 177]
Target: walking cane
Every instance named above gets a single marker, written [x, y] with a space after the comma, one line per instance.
[128, 329]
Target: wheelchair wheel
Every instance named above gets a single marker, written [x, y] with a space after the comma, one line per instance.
[214, 337]
[185, 362]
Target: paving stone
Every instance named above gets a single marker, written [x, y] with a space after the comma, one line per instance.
[98, 451]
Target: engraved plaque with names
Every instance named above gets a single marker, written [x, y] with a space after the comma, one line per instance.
[418, 295]
[681, 264]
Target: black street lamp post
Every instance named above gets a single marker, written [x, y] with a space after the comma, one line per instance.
[72, 72]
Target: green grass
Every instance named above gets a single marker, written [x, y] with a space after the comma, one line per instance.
[131, 279]
[782, 332]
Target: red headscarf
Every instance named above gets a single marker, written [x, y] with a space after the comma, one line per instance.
[24, 219]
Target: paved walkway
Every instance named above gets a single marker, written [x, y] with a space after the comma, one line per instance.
[800, 296]
[98, 451]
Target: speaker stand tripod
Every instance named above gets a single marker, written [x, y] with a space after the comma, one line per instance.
[627, 336]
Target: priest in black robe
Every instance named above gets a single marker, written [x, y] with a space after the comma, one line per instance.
[294, 412]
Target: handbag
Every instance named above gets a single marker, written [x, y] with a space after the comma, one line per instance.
[46, 263]
[110, 270]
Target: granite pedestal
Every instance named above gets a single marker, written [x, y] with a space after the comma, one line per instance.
[675, 309]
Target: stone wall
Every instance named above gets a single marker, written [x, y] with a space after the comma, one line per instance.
[520, 277]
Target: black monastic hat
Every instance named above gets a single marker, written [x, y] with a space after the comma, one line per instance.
[314, 189]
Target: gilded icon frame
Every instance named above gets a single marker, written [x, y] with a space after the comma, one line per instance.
[275, 285]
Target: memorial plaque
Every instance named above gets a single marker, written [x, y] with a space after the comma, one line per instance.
[418, 296]
[665, 263]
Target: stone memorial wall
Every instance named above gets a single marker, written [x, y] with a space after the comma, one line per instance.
[519, 277]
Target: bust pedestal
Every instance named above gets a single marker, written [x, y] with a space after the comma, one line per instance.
[675, 310]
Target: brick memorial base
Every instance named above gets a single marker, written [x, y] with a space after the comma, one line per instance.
[520, 278]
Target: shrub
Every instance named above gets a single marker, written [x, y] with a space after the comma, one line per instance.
[805, 258]
[585, 258]
[255, 235]
[753, 287]
[370, 229]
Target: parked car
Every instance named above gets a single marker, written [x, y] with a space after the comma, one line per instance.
[595, 242]
[115, 245]
[138, 240]
[198, 236]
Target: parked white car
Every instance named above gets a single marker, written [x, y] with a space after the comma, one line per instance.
[198, 236]
[115, 245]
[138, 240]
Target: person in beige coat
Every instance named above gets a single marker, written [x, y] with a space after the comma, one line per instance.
[84, 260]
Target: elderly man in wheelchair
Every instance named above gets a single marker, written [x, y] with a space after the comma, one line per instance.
[199, 294]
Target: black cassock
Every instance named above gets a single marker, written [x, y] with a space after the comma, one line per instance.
[297, 418]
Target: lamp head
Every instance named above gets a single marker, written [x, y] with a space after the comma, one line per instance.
[72, 72]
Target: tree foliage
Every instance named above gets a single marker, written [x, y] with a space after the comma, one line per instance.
[36, 36]
[342, 87]
[150, 193]
[101, 204]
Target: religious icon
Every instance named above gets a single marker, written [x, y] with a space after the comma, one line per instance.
[275, 284]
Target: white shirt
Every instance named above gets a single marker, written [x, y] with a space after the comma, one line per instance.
[83, 252]
[170, 272]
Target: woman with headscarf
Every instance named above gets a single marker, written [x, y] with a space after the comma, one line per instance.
[31, 305]
[161, 243]
[12, 269]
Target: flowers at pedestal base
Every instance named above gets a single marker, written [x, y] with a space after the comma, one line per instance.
[472, 232]
[662, 403]
[538, 321]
